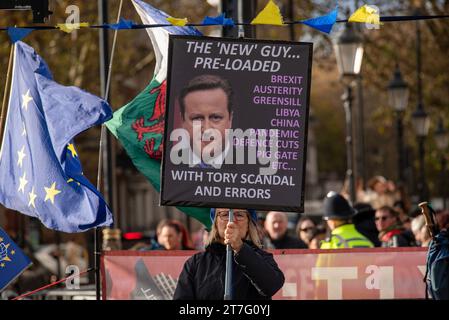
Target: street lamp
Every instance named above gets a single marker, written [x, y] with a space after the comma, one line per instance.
[442, 141]
[349, 53]
[398, 93]
[348, 49]
[421, 122]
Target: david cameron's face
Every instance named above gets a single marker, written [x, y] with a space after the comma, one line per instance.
[210, 109]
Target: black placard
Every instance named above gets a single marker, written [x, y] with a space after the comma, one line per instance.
[255, 93]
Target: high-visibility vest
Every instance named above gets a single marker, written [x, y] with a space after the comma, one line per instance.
[346, 236]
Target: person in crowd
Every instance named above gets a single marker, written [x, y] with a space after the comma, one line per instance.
[112, 239]
[359, 190]
[399, 206]
[338, 214]
[305, 229]
[199, 239]
[391, 231]
[276, 226]
[144, 246]
[393, 190]
[172, 235]
[364, 222]
[255, 274]
[186, 240]
[420, 232]
[318, 236]
[380, 193]
[442, 219]
[56, 257]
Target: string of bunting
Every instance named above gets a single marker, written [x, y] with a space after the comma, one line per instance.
[270, 15]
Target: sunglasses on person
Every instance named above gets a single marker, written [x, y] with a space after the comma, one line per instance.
[238, 215]
[383, 218]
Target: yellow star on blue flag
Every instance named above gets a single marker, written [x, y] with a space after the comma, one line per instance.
[35, 166]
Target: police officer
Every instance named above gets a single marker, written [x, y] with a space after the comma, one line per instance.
[338, 213]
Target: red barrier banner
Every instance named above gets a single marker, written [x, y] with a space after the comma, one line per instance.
[393, 273]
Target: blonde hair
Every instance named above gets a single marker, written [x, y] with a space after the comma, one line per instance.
[252, 234]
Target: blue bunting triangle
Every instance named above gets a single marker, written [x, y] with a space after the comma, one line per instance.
[17, 34]
[218, 20]
[122, 24]
[323, 23]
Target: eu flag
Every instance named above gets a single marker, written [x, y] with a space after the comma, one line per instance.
[40, 172]
[12, 260]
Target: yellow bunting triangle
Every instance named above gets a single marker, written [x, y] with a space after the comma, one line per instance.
[271, 14]
[177, 22]
[69, 27]
[365, 14]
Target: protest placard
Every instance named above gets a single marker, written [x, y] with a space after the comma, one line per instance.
[236, 123]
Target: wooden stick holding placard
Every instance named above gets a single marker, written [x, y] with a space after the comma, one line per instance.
[429, 218]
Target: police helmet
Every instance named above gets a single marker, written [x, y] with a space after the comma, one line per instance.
[337, 207]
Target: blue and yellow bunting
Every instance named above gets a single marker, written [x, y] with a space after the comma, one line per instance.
[271, 14]
[323, 23]
[70, 27]
[366, 14]
[17, 34]
[122, 25]
[177, 21]
[218, 20]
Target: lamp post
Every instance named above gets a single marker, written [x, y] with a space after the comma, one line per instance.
[398, 93]
[442, 141]
[348, 49]
[420, 119]
[291, 13]
[421, 122]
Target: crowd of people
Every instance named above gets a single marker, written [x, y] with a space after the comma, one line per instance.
[381, 228]
[257, 275]
[381, 217]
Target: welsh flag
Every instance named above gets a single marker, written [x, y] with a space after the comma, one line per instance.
[139, 125]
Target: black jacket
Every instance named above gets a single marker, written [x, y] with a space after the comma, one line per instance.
[286, 242]
[398, 240]
[255, 274]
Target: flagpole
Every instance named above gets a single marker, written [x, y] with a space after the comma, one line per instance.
[291, 13]
[103, 13]
[59, 252]
[241, 29]
[229, 252]
[228, 275]
[6, 93]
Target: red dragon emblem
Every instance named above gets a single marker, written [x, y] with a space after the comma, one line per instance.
[157, 123]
